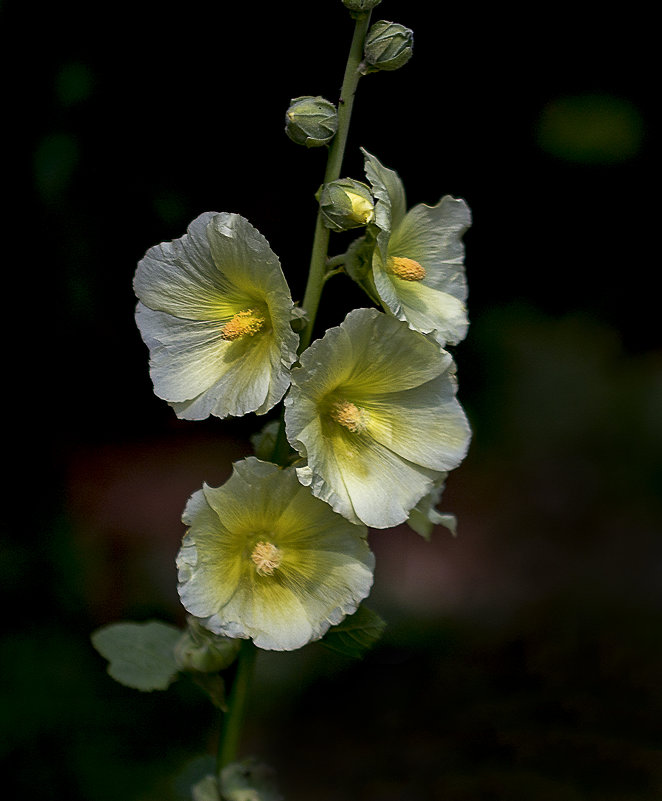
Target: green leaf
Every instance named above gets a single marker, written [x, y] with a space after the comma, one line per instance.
[356, 634]
[140, 655]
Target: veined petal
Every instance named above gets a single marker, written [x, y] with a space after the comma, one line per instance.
[389, 191]
[198, 559]
[424, 308]
[365, 481]
[244, 257]
[432, 235]
[425, 425]
[181, 278]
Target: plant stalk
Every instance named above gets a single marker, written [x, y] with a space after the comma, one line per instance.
[320, 247]
[233, 719]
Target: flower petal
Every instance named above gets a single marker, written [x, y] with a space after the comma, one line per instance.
[389, 190]
[180, 277]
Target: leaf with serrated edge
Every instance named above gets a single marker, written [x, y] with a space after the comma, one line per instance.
[140, 655]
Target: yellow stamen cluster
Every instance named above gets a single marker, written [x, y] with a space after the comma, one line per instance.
[407, 269]
[245, 323]
[266, 557]
[349, 415]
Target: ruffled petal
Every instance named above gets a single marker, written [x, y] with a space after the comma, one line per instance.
[181, 278]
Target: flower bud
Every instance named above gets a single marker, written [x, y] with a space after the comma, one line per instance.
[361, 6]
[298, 319]
[264, 441]
[388, 46]
[311, 121]
[346, 204]
[202, 651]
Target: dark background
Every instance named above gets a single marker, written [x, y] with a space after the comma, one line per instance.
[522, 659]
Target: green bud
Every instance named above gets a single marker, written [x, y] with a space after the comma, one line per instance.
[388, 46]
[298, 319]
[361, 6]
[358, 264]
[202, 651]
[346, 204]
[311, 121]
[264, 441]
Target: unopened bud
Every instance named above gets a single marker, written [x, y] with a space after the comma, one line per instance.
[311, 121]
[388, 46]
[203, 651]
[361, 6]
[346, 204]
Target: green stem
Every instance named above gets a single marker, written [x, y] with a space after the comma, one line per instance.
[282, 451]
[320, 247]
[335, 261]
[330, 273]
[233, 719]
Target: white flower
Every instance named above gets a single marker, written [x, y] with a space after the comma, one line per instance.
[418, 261]
[215, 312]
[373, 410]
[264, 559]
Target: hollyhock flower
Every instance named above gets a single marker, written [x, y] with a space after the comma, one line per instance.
[373, 410]
[215, 312]
[264, 559]
[418, 262]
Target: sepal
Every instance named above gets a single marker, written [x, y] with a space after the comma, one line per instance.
[358, 264]
[264, 440]
[200, 650]
[357, 7]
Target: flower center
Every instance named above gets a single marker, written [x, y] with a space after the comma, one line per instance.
[349, 415]
[407, 269]
[266, 558]
[245, 323]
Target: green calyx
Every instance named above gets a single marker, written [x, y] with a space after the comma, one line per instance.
[360, 6]
[388, 46]
[202, 651]
[311, 121]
